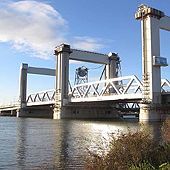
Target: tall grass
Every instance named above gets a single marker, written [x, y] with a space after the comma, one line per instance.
[133, 151]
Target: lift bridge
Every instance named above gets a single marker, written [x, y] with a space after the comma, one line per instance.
[103, 99]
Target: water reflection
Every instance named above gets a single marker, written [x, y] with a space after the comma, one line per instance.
[21, 143]
[60, 141]
[36, 142]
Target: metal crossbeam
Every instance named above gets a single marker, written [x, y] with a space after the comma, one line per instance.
[42, 71]
[88, 56]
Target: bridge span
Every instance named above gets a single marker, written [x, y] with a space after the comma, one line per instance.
[105, 90]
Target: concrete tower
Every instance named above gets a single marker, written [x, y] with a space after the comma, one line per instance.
[151, 21]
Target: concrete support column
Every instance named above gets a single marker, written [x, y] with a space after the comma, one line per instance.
[151, 73]
[151, 47]
[62, 77]
[22, 88]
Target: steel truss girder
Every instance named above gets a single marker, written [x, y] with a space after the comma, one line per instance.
[134, 105]
[121, 92]
[42, 97]
[109, 91]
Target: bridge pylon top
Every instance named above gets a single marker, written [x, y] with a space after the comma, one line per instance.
[144, 11]
[62, 48]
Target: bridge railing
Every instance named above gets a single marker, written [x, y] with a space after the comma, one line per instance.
[128, 87]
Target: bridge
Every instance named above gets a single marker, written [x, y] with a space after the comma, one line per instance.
[102, 99]
[128, 95]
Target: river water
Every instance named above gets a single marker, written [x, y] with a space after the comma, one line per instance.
[31, 143]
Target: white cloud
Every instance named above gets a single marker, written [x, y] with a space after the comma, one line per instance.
[87, 43]
[32, 26]
[36, 28]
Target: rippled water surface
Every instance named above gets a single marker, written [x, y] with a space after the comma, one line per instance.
[29, 143]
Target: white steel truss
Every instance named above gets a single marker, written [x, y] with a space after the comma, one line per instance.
[131, 88]
[104, 90]
[165, 86]
[42, 97]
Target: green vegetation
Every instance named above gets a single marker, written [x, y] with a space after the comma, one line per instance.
[133, 151]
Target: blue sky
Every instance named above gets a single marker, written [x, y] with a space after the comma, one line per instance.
[30, 30]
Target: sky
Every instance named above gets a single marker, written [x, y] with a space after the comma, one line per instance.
[30, 30]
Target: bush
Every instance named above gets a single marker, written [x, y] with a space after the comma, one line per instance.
[166, 130]
[129, 151]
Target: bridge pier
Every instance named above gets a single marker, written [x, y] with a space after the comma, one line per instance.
[36, 111]
[57, 112]
[87, 111]
[20, 112]
[152, 113]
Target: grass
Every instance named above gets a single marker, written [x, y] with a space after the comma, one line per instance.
[133, 151]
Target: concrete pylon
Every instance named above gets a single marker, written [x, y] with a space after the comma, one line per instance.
[151, 73]
[22, 88]
[62, 77]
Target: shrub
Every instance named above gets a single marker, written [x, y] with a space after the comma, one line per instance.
[166, 130]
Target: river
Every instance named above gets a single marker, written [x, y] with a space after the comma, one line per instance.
[31, 143]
